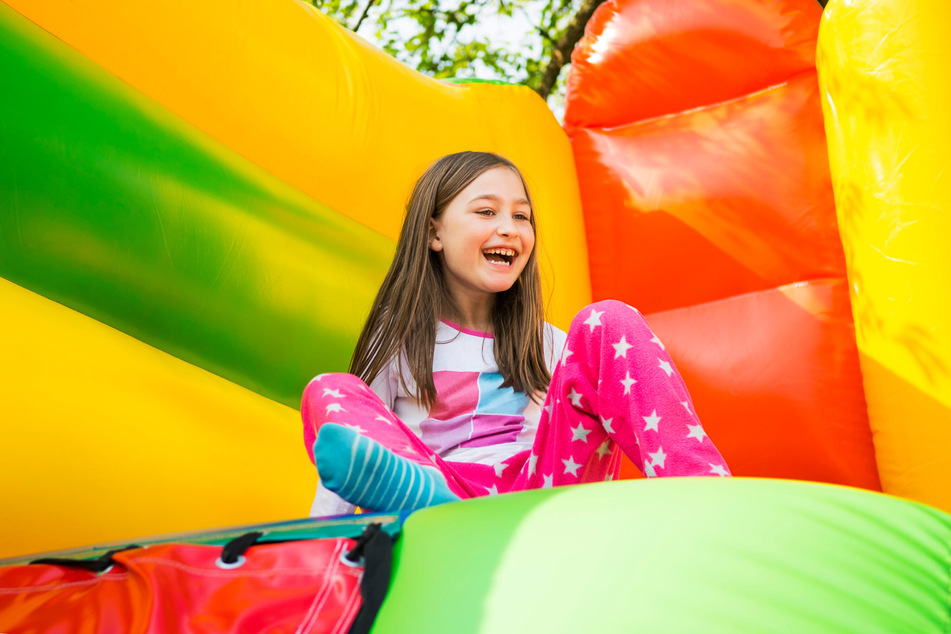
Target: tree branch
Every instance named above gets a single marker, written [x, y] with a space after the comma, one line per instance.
[561, 52]
[541, 31]
[363, 16]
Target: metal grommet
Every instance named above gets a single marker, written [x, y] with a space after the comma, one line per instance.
[353, 564]
[237, 563]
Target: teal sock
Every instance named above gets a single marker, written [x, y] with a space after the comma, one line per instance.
[365, 473]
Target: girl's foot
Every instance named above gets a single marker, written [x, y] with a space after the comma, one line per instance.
[366, 473]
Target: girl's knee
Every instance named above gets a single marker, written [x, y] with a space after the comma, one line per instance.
[314, 410]
[609, 313]
[333, 383]
[334, 386]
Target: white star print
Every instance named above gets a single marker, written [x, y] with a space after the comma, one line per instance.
[649, 471]
[608, 478]
[621, 348]
[658, 342]
[548, 481]
[493, 490]
[547, 409]
[575, 398]
[696, 431]
[564, 357]
[717, 469]
[607, 422]
[594, 320]
[355, 428]
[571, 466]
[604, 449]
[333, 393]
[384, 419]
[650, 422]
[627, 382]
[335, 407]
[532, 461]
[658, 458]
[686, 406]
[580, 433]
[499, 468]
[665, 366]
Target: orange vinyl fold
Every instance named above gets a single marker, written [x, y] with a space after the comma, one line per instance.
[704, 175]
[647, 58]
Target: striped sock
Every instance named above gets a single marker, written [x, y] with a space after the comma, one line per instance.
[366, 473]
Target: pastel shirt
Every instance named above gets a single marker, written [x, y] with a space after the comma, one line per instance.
[474, 419]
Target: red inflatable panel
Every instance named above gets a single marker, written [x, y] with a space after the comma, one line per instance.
[702, 163]
[283, 588]
[712, 202]
[775, 379]
[648, 58]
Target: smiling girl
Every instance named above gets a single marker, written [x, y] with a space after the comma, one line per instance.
[470, 391]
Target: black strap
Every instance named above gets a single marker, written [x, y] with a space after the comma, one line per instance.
[238, 546]
[100, 564]
[376, 549]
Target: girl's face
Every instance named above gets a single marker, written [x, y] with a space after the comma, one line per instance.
[485, 235]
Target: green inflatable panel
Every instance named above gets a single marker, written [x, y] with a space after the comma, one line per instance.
[112, 206]
[674, 555]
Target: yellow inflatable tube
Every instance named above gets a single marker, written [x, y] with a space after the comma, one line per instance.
[115, 433]
[318, 107]
[113, 439]
[883, 68]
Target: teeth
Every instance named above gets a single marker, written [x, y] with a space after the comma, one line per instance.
[507, 252]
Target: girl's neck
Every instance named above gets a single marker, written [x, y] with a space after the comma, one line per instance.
[473, 313]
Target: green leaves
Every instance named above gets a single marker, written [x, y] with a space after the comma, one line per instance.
[509, 40]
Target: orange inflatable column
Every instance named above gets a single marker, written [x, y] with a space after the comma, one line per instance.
[699, 143]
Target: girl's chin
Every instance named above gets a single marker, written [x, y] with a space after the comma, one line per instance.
[503, 286]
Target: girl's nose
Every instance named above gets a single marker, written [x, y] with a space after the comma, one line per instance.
[507, 226]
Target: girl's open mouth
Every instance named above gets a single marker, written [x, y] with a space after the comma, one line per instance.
[500, 256]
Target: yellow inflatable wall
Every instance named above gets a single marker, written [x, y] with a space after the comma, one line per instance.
[883, 67]
[318, 107]
[110, 436]
[111, 433]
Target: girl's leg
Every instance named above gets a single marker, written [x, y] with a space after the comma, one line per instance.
[363, 452]
[617, 387]
[346, 400]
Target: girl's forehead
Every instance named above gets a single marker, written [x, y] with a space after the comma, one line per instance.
[499, 183]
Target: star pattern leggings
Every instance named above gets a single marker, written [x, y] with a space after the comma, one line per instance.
[615, 389]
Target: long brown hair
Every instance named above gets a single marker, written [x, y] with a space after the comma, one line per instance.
[414, 294]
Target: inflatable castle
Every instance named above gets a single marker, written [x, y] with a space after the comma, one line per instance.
[198, 202]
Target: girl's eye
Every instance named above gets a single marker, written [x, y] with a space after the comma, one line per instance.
[485, 212]
[521, 216]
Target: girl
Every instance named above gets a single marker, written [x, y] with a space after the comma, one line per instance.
[470, 392]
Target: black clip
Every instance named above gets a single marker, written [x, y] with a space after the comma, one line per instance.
[354, 556]
[232, 555]
[98, 565]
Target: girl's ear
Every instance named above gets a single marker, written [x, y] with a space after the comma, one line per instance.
[434, 243]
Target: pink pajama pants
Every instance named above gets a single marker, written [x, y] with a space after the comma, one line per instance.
[615, 389]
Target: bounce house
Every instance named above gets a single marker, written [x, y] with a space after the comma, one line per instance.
[199, 201]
